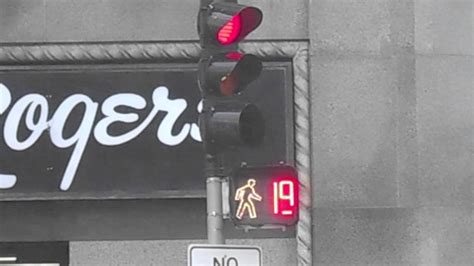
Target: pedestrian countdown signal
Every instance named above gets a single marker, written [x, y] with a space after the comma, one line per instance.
[264, 196]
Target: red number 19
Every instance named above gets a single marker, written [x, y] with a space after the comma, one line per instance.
[283, 191]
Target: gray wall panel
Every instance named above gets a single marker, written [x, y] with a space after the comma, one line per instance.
[395, 75]
[360, 27]
[373, 236]
[167, 253]
[22, 21]
[80, 220]
[124, 20]
[445, 109]
[444, 27]
[393, 236]
[445, 236]
[355, 107]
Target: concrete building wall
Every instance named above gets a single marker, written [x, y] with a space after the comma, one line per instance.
[392, 98]
[392, 113]
[275, 252]
[140, 20]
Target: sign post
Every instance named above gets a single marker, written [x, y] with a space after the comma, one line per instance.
[215, 219]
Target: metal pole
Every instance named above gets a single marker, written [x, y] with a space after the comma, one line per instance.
[215, 220]
[215, 216]
[213, 173]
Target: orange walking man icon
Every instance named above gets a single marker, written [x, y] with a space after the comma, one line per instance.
[245, 195]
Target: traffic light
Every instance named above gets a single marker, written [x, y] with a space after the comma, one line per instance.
[227, 119]
[261, 196]
[224, 23]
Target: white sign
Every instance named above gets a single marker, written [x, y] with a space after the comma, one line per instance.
[224, 255]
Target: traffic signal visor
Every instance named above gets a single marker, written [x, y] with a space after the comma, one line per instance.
[239, 25]
[247, 69]
[234, 123]
[226, 75]
[230, 22]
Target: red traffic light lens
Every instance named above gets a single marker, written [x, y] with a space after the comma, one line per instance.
[230, 31]
[239, 26]
[234, 56]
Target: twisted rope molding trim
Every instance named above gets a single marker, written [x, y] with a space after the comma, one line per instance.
[96, 53]
[299, 53]
[162, 52]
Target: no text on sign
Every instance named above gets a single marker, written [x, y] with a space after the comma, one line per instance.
[224, 255]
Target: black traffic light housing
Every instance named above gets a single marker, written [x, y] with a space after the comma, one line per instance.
[227, 120]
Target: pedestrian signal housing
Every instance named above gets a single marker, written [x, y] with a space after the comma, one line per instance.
[261, 196]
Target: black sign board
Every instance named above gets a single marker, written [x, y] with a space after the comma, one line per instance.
[106, 132]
